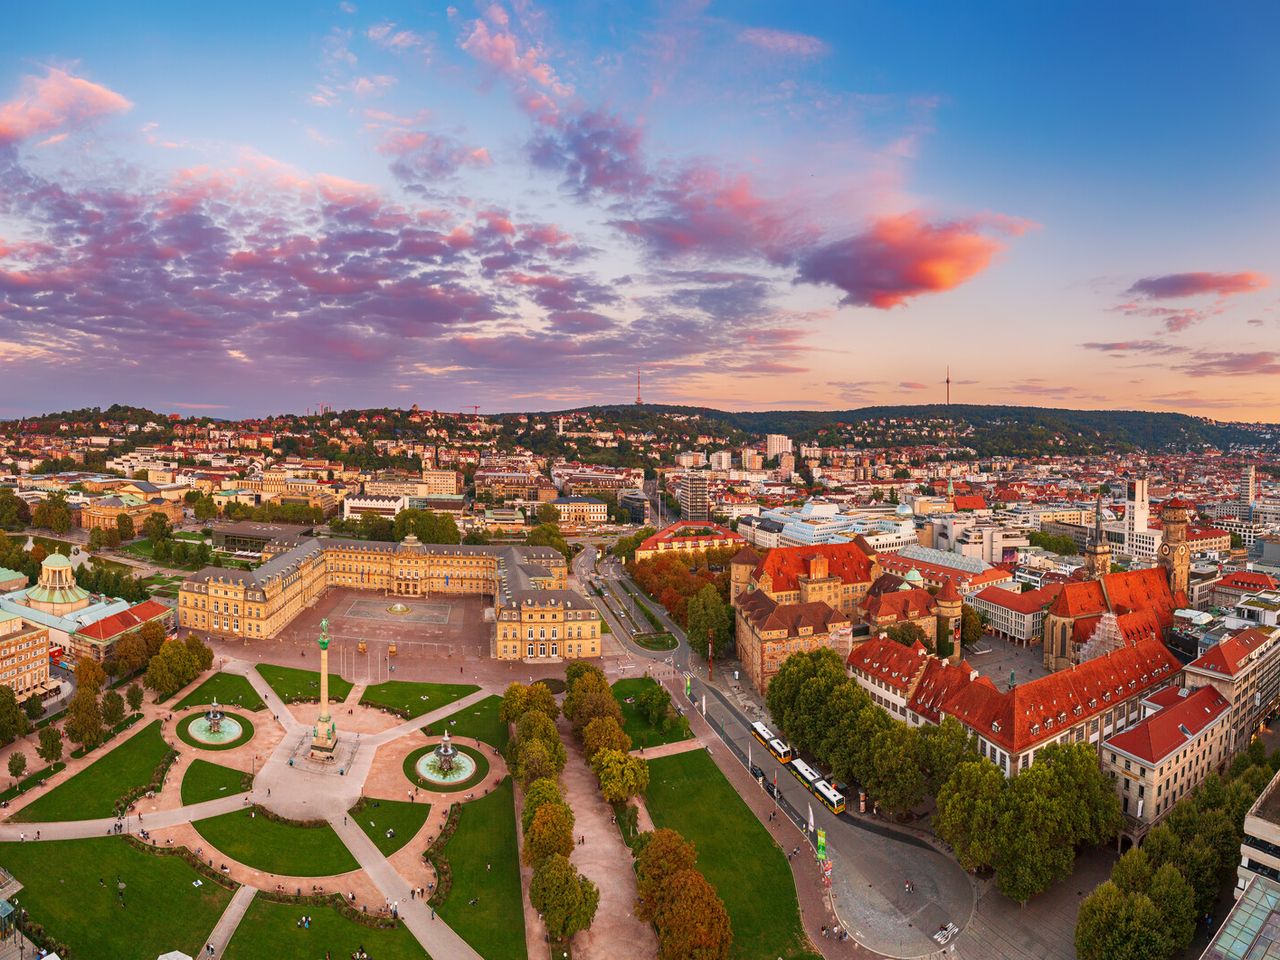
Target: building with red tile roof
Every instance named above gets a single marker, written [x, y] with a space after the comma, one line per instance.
[838, 574]
[896, 607]
[1245, 669]
[1086, 702]
[973, 502]
[1232, 587]
[97, 639]
[1018, 617]
[938, 683]
[889, 672]
[688, 536]
[767, 632]
[1144, 593]
[1184, 736]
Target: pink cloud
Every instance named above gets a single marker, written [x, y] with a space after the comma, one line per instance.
[1175, 285]
[902, 257]
[56, 100]
[1207, 363]
[1133, 346]
[501, 50]
[913, 385]
[783, 42]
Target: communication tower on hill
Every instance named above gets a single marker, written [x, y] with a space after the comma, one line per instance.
[639, 402]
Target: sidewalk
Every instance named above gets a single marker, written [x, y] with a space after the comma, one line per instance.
[226, 926]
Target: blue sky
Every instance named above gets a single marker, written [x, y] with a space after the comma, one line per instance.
[518, 205]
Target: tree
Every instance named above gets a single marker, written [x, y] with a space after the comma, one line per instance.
[784, 688]
[707, 616]
[540, 791]
[907, 633]
[97, 539]
[621, 775]
[968, 815]
[124, 525]
[853, 762]
[131, 653]
[13, 722]
[50, 749]
[14, 512]
[897, 780]
[550, 831]
[112, 708]
[536, 759]
[53, 513]
[33, 708]
[660, 855]
[1132, 872]
[604, 733]
[942, 747]
[1037, 845]
[157, 528]
[84, 719]
[201, 653]
[971, 626]
[205, 509]
[134, 696]
[17, 764]
[565, 898]
[548, 513]
[535, 725]
[1175, 898]
[153, 635]
[519, 699]
[549, 535]
[693, 923]
[171, 669]
[589, 697]
[89, 675]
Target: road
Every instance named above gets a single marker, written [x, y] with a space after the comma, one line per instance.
[872, 860]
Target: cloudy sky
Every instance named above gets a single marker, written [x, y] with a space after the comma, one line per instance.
[248, 208]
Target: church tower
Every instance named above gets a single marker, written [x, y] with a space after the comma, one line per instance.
[1097, 555]
[1175, 554]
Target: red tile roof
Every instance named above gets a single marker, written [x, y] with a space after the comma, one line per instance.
[939, 683]
[786, 565]
[897, 605]
[1028, 602]
[768, 616]
[118, 623]
[1040, 710]
[1120, 593]
[1246, 580]
[888, 661]
[936, 573]
[1226, 657]
[673, 534]
[968, 503]
[1171, 728]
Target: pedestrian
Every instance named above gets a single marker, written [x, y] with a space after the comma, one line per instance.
[433, 913]
[824, 931]
[37, 834]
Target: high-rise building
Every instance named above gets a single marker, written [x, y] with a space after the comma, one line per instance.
[775, 444]
[1248, 491]
[722, 460]
[751, 459]
[695, 502]
[1137, 514]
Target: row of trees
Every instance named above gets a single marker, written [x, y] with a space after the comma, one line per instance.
[674, 895]
[566, 900]
[90, 712]
[625, 547]
[1149, 907]
[596, 717]
[675, 579]
[14, 512]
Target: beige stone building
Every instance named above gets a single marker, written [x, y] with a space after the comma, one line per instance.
[24, 656]
[1183, 737]
[442, 483]
[581, 511]
[104, 512]
[838, 574]
[767, 632]
[1245, 669]
[530, 581]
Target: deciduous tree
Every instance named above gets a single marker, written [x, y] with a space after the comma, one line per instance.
[693, 923]
[604, 733]
[112, 708]
[84, 719]
[707, 615]
[550, 831]
[124, 526]
[896, 778]
[968, 815]
[17, 764]
[621, 775]
[171, 669]
[660, 855]
[134, 696]
[536, 759]
[50, 749]
[540, 791]
[566, 899]
[13, 722]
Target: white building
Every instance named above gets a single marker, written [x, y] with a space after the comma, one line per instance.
[775, 444]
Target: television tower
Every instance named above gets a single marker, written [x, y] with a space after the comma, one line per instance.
[639, 402]
[948, 385]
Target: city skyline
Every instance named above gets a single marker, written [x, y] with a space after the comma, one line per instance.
[249, 210]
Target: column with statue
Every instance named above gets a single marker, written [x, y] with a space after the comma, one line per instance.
[325, 734]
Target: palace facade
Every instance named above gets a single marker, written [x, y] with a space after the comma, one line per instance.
[536, 616]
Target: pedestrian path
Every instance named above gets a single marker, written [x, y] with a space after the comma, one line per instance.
[272, 699]
[669, 749]
[417, 723]
[104, 826]
[225, 928]
[436, 937]
[357, 691]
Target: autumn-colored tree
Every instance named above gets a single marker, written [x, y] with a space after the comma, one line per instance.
[693, 923]
[590, 697]
[540, 791]
[153, 635]
[90, 675]
[621, 775]
[131, 653]
[604, 733]
[565, 898]
[84, 719]
[550, 831]
[538, 759]
[660, 855]
[134, 696]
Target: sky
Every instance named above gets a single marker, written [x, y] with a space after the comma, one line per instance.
[242, 209]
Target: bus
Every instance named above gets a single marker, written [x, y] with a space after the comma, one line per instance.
[780, 750]
[831, 798]
[805, 774]
[761, 733]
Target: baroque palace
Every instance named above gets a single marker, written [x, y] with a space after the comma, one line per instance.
[536, 616]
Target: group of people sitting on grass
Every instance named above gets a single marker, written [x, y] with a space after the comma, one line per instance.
[304, 921]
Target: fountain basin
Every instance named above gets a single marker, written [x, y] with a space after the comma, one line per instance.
[232, 731]
[421, 767]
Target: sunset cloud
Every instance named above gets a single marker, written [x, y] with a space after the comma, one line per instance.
[1174, 285]
[783, 42]
[58, 99]
[902, 257]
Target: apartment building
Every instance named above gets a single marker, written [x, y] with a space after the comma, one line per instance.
[1245, 669]
[24, 656]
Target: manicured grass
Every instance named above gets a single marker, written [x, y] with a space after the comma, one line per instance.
[111, 566]
[228, 689]
[486, 835]
[376, 817]
[481, 771]
[93, 792]
[285, 848]
[635, 723]
[479, 721]
[32, 779]
[209, 781]
[656, 641]
[187, 737]
[270, 929]
[162, 910]
[292, 684]
[689, 794]
[412, 699]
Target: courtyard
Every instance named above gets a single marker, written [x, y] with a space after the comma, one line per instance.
[1002, 661]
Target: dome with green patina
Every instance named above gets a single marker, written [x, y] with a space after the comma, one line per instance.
[55, 560]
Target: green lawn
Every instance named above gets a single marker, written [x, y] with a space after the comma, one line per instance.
[283, 848]
[270, 929]
[111, 566]
[378, 816]
[415, 699]
[227, 689]
[486, 835]
[208, 781]
[637, 726]
[689, 794]
[93, 791]
[162, 910]
[292, 684]
[478, 721]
